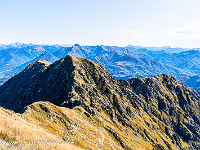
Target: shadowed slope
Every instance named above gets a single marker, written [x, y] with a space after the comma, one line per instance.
[158, 110]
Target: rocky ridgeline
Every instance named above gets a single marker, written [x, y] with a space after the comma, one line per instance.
[158, 110]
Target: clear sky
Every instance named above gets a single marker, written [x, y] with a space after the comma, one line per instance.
[174, 23]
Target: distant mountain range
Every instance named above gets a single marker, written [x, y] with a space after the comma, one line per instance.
[122, 62]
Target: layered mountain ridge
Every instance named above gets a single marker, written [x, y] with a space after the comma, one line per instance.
[148, 113]
[122, 62]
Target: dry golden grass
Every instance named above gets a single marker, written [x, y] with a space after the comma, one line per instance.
[83, 131]
[17, 133]
[44, 62]
[53, 127]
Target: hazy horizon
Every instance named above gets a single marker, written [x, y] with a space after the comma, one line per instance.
[68, 45]
[155, 23]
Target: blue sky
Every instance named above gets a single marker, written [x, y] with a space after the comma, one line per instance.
[174, 23]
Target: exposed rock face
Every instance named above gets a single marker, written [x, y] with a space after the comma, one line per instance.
[158, 110]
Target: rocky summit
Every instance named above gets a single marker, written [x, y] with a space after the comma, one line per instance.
[80, 103]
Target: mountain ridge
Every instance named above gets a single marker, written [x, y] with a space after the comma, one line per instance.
[159, 110]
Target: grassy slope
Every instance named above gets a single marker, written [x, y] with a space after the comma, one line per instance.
[17, 132]
[45, 121]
